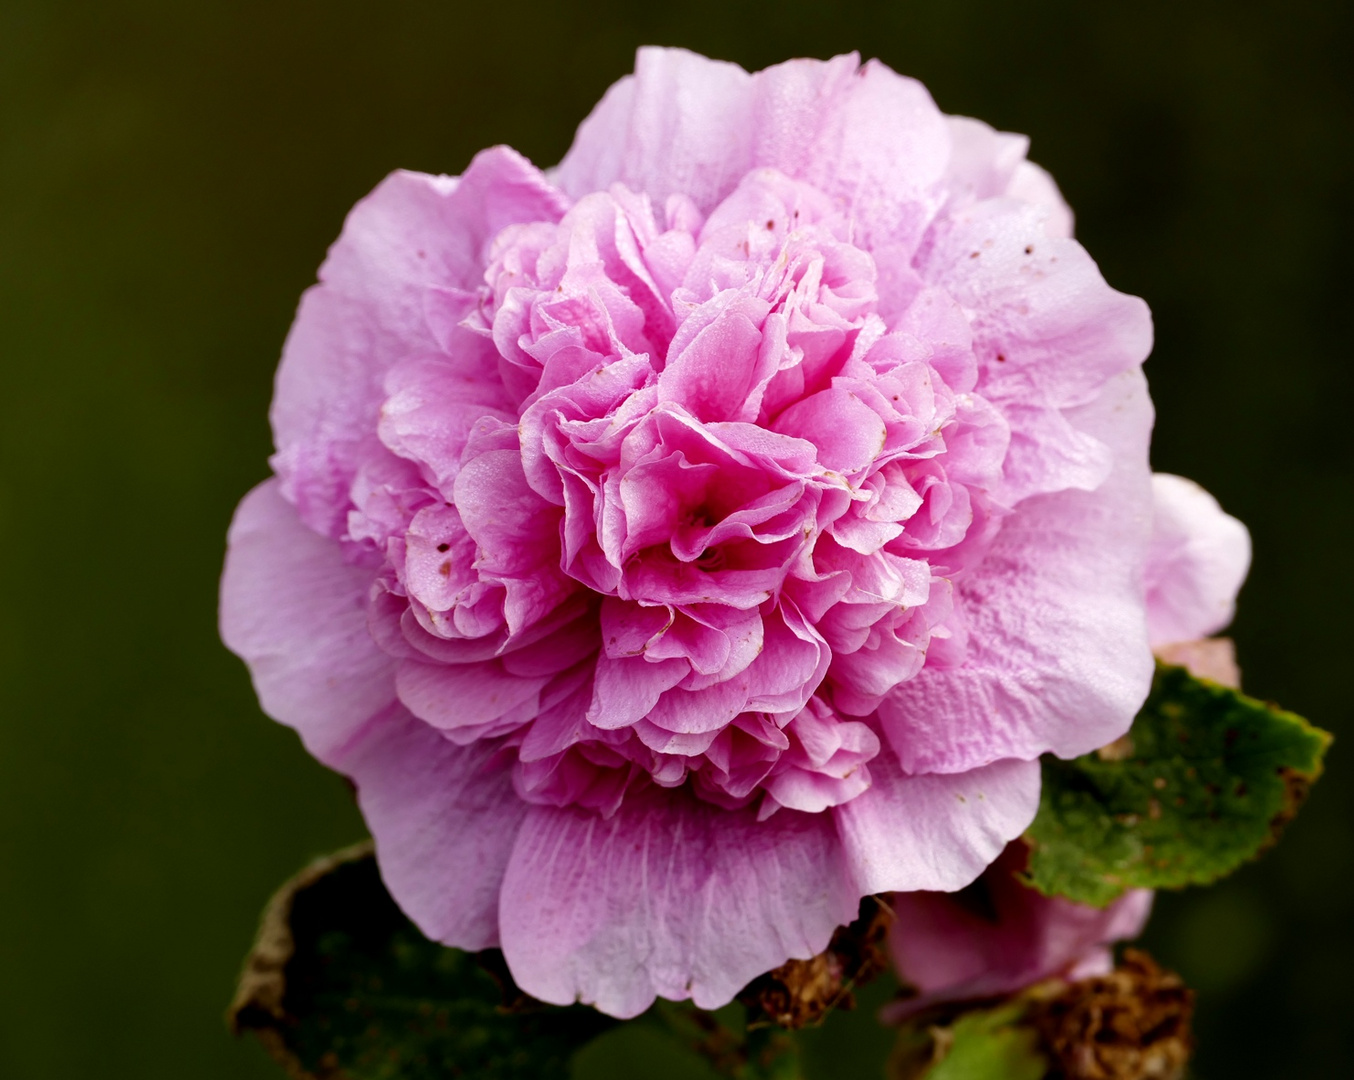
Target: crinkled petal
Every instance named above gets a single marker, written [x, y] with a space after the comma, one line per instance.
[297, 615]
[414, 233]
[1047, 328]
[670, 897]
[677, 126]
[686, 125]
[1058, 657]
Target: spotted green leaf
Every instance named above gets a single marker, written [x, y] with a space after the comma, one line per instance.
[1202, 783]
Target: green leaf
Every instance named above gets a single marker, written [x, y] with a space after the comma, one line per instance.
[1203, 783]
[985, 1044]
[341, 985]
[732, 1046]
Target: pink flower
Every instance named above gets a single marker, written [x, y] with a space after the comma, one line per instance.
[1000, 935]
[677, 546]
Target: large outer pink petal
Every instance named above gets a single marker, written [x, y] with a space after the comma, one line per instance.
[684, 124]
[1197, 562]
[671, 897]
[444, 818]
[678, 125]
[936, 831]
[1039, 303]
[412, 234]
[296, 614]
[1058, 656]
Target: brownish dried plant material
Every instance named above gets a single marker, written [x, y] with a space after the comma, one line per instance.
[801, 993]
[259, 1004]
[1296, 788]
[1132, 1024]
[1119, 750]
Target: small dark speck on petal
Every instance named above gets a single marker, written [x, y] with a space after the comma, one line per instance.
[1029, 249]
[975, 254]
[445, 569]
[1001, 358]
[770, 225]
[443, 547]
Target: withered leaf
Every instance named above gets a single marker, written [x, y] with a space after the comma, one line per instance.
[341, 986]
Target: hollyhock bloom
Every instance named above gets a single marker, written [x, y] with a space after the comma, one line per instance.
[678, 545]
[999, 935]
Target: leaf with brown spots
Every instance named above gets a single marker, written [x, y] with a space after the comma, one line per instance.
[1203, 782]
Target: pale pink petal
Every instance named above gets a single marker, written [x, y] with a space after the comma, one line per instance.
[412, 234]
[444, 818]
[670, 897]
[1207, 658]
[297, 615]
[683, 124]
[1002, 938]
[1197, 562]
[1047, 329]
[677, 126]
[934, 831]
[983, 161]
[1058, 658]
[451, 696]
[1034, 185]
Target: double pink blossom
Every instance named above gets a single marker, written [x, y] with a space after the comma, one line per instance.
[681, 544]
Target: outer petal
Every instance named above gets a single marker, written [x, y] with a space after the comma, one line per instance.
[296, 614]
[678, 125]
[1047, 328]
[414, 233]
[934, 832]
[683, 124]
[1197, 562]
[670, 897]
[444, 818]
[1058, 657]
[1034, 185]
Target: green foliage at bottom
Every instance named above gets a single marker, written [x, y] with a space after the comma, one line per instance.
[984, 1044]
[368, 997]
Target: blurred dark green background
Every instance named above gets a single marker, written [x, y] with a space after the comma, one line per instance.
[170, 175]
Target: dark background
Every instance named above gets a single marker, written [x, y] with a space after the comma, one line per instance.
[170, 176]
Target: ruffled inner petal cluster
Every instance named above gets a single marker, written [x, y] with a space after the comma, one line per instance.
[692, 511]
